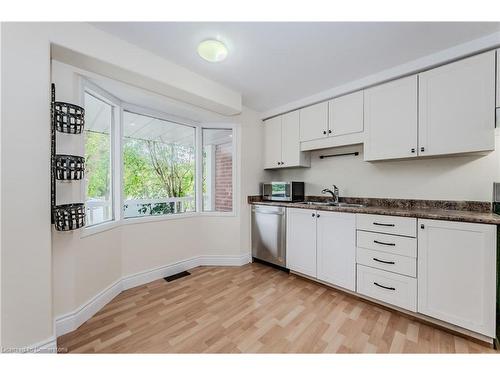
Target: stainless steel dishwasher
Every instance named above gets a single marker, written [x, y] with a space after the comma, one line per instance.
[269, 234]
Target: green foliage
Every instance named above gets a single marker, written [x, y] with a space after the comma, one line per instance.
[97, 157]
[151, 169]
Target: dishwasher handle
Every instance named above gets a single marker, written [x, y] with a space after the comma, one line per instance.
[268, 212]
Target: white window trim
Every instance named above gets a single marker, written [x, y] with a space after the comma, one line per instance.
[235, 136]
[115, 131]
[119, 107]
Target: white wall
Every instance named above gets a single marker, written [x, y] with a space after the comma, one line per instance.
[26, 243]
[466, 177]
[81, 266]
[84, 266]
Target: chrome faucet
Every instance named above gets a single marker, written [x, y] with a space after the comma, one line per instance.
[334, 193]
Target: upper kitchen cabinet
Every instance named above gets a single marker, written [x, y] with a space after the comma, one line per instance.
[390, 115]
[314, 122]
[344, 125]
[346, 114]
[272, 142]
[456, 107]
[282, 144]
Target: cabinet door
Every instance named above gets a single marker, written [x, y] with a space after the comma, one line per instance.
[457, 107]
[346, 114]
[336, 248]
[301, 241]
[457, 273]
[272, 142]
[290, 142]
[390, 112]
[314, 122]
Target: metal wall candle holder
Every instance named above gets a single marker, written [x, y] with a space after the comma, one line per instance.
[70, 167]
[66, 118]
[69, 216]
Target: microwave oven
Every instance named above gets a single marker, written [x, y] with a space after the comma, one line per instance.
[292, 191]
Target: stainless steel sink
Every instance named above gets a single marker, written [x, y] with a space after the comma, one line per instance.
[353, 205]
[340, 204]
[319, 203]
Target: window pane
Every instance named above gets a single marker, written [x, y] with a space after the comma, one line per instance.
[217, 170]
[158, 166]
[99, 202]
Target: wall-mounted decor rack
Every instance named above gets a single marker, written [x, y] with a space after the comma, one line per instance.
[65, 118]
[345, 154]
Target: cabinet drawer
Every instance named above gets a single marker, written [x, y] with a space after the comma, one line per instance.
[397, 290]
[387, 243]
[403, 226]
[386, 261]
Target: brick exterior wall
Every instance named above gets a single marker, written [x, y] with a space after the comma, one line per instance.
[224, 177]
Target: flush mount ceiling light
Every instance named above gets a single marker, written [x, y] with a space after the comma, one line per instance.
[212, 50]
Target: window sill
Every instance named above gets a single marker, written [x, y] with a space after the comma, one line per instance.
[149, 219]
[98, 228]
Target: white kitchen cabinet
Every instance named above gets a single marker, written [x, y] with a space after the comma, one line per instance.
[336, 248]
[456, 107]
[272, 142]
[290, 142]
[314, 122]
[301, 241]
[282, 144]
[346, 114]
[390, 115]
[457, 273]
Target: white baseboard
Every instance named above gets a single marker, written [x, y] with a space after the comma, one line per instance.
[72, 320]
[46, 346]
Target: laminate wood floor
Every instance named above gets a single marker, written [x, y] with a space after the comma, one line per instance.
[253, 309]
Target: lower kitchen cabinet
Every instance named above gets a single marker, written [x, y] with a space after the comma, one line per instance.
[457, 273]
[389, 287]
[301, 241]
[336, 248]
[322, 245]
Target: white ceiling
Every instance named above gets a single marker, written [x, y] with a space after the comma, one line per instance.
[275, 63]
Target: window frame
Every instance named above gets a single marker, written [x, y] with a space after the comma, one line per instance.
[235, 197]
[138, 110]
[117, 126]
[89, 88]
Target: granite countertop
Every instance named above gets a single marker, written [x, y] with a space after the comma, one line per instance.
[466, 211]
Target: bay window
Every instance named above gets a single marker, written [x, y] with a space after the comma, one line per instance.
[141, 163]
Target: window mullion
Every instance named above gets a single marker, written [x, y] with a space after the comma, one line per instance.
[118, 160]
[199, 169]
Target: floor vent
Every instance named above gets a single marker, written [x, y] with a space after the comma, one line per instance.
[176, 276]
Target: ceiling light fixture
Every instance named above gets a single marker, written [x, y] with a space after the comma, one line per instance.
[212, 50]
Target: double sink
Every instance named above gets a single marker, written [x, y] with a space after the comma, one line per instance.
[334, 204]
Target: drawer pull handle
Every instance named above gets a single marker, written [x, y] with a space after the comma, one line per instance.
[385, 287]
[384, 243]
[383, 261]
[384, 225]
